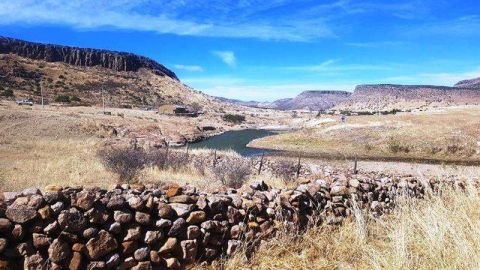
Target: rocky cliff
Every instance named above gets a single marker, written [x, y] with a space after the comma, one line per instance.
[392, 96]
[118, 61]
[475, 83]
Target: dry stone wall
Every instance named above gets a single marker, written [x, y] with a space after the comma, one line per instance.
[153, 227]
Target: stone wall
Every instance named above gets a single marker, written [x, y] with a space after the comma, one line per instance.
[152, 227]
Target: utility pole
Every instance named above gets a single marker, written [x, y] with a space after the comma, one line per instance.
[41, 94]
[103, 99]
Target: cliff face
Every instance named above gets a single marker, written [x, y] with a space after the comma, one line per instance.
[312, 100]
[118, 61]
[472, 83]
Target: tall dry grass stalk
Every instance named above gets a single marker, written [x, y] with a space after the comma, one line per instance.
[439, 232]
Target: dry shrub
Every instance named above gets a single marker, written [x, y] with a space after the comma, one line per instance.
[200, 164]
[232, 171]
[125, 162]
[175, 160]
[284, 169]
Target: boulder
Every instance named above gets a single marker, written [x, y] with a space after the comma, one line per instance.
[58, 251]
[101, 245]
[21, 213]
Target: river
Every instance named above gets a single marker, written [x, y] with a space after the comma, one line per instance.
[236, 140]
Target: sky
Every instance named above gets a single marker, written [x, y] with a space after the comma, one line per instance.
[266, 50]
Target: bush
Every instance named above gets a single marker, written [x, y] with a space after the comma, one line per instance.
[63, 99]
[176, 160]
[7, 93]
[125, 162]
[234, 118]
[395, 147]
[201, 163]
[284, 169]
[232, 171]
[75, 99]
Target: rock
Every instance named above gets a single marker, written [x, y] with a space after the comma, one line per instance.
[136, 203]
[101, 245]
[83, 200]
[129, 247]
[127, 264]
[98, 265]
[155, 257]
[116, 202]
[40, 240]
[45, 212]
[75, 261]
[52, 228]
[142, 218]
[98, 215]
[57, 207]
[170, 245]
[339, 191]
[173, 191]
[196, 217]
[133, 233]
[3, 244]
[17, 233]
[34, 262]
[20, 213]
[72, 220]
[172, 263]
[165, 211]
[182, 210]
[189, 250]
[182, 199]
[122, 217]
[58, 251]
[178, 226]
[193, 232]
[5, 225]
[232, 246]
[235, 232]
[163, 223]
[78, 247]
[141, 254]
[90, 233]
[115, 228]
[143, 266]
[113, 260]
[153, 237]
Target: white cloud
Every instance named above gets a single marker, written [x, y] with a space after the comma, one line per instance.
[188, 67]
[376, 44]
[228, 57]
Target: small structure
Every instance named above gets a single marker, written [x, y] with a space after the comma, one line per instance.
[172, 109]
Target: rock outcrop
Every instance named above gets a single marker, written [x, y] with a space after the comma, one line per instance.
[152, 227]
[118, 61]
[472, 83]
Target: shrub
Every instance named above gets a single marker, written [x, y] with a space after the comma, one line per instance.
[284, 169]
[175, 160]
[125, 162]
[200, 164]
[232, 171]
[233, 118]
[63, 99]
[75, 99]
[395, 147]
[7, 93]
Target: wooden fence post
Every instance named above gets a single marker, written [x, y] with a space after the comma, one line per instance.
[355, 171]
[261, 163]
[188, 146]
[298, 167]
[165, 165]
[215, 158]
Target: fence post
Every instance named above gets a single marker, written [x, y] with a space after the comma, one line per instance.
[215, 158]
[188, 146]
[165, 165]
[261, 163]
[298, 167]
[355, 171]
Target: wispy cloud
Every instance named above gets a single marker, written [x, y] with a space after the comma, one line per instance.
[462, 26]
[188, 67]
[237, 19]
[376, 44]
[442, 78]
[228, 57]
[332, 66]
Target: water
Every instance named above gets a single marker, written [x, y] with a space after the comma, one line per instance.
[235, 140]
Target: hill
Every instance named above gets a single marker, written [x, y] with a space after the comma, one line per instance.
[78, 75]
[391, 96]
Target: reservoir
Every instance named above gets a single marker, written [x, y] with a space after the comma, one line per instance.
[236, 140]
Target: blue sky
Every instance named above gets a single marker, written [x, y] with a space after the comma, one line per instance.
[265, 50]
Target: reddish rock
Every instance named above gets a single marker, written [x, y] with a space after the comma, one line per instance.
[34, 262]
[170, 245]
[58, 251]
[40, 240]
[72, 220]
[75, 261]
[83, 200]
[20, 213]
[189, 250]
[196, 217]
[173, 191]
[100, 246]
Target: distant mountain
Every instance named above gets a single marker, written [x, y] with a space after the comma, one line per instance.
[313, 100]
[475, 83]
[391, 96]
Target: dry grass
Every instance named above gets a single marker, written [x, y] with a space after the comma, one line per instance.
[441, 232]
[444, 135]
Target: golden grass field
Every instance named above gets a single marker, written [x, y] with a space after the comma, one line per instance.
[450, 134]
